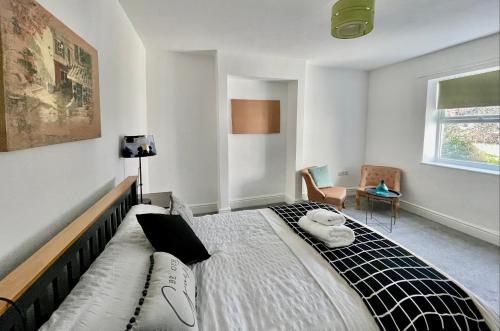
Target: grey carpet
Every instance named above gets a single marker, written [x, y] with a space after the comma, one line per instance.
[472, 262]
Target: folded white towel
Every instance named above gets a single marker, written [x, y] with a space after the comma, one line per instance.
[345, 237]
[326, 217]
[332, 236]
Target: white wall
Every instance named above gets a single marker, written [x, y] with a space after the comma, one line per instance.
[468, 201]
[335, 121]
[188, 124]
[257, 162]
[182, 117]
[44, 188]
[262, 67]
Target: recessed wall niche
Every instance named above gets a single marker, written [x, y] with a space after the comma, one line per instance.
[258, 140]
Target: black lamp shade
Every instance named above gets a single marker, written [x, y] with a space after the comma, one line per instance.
[138, 146]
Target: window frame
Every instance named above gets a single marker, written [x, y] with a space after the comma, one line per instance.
[434, 124]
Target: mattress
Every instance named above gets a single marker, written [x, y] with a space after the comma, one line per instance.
[252, 281]
[260, 276]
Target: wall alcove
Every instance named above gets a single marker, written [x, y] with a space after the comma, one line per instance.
[257, 160]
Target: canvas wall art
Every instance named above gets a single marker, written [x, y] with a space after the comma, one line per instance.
[255, 116]
[49, 80]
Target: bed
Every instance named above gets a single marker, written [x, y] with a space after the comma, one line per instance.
[262, 275]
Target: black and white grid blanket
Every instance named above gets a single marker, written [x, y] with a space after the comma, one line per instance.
[401, 291]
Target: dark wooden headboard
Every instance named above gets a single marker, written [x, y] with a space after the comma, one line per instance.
[38, 285]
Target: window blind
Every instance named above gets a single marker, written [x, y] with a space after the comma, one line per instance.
[481, 90]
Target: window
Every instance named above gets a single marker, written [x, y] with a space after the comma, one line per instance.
[463, 121]
[83, 57]
[470, 136]
[60, 48]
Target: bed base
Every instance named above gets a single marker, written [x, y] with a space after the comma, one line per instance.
[40, 284]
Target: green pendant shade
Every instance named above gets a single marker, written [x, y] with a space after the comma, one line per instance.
[352, 18]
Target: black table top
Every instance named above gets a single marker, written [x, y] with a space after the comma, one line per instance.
[391, 194]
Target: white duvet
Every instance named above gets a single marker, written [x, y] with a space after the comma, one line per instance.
[260, 276]
[253, 281]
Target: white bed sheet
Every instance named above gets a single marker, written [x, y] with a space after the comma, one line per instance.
[253, 281]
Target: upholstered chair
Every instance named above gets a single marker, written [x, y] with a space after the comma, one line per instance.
[332, 195]
[371, 177]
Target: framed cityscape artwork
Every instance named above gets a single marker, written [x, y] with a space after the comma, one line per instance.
[49, 80]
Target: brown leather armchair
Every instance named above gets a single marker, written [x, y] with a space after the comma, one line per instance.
[371, 177]
[332, 195]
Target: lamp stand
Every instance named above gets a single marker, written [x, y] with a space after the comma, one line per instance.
[140, 177]
[142, 201]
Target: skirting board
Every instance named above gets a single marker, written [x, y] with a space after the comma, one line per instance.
[460, 225]
[258, 200]
[204, 208]
[224, 210]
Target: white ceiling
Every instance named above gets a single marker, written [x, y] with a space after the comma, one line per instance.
[301, 28]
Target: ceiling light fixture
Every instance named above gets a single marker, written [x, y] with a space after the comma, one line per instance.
[352, 18]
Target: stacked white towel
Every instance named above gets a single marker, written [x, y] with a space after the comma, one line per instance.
[327, 227]
[326, 217]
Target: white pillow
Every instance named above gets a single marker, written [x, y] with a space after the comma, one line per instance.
[179, 207]
[169, 302]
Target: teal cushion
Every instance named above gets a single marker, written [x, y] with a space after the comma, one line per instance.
[321, 176]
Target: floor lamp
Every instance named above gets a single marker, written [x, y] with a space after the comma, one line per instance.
[139, 147]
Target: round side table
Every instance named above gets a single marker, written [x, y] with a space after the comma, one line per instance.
[391, 198]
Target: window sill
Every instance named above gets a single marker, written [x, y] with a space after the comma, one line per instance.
[459, 167]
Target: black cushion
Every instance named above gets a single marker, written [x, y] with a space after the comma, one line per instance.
[171, 234]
